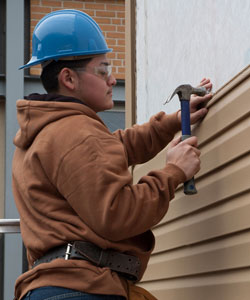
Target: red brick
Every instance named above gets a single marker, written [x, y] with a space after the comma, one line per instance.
[107, 14]
[118, 75]
[103, 20]
[111, 42]
[73, 5]
[121, 70]
[116, 63]
[89, 12]
[118, 49]
[35, 71]
[40, 9]
[121, 42]
[120, 15]
[34, 2]
[109, 1]
[36, 16]
[108, 27]
[115, 7]
[115, 35]
[121, 76]
[95, 6]
[120, 55]
[52, 3]
[116, 21]
[33, 24]
[121, 28]
[110, 55]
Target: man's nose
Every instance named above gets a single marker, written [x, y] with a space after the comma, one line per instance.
[111, 80]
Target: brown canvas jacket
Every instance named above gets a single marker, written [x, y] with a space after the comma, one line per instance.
[71, 182]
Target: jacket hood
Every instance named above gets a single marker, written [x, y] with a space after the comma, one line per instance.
[37, 111]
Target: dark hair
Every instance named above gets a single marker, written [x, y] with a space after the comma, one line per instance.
[49, 76]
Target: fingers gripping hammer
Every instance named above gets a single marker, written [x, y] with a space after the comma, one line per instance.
[184, 92]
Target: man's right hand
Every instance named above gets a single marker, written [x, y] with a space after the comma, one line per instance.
[185, 155]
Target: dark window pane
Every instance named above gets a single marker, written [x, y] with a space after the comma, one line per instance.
[113, 119]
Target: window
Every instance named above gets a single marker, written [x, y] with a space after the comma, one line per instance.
[113, 119]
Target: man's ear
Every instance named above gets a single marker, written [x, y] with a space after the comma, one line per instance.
[68, 79]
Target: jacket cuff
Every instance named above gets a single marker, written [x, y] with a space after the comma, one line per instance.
[177, 174]
[167, 123]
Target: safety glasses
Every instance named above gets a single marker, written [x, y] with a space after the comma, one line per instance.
[103, 71]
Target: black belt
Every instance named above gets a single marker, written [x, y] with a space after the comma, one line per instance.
[127, 266]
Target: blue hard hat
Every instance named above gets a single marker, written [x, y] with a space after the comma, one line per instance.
[66, 33]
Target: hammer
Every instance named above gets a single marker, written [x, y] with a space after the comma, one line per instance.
[184, 92]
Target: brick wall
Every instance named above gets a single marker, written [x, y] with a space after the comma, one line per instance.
[109, 14]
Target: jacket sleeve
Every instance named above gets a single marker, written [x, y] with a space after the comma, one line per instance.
[143, 142]
[95, 180]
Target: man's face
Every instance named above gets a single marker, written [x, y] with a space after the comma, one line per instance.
[94, 86]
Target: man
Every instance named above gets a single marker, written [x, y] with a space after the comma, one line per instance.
[85, 226]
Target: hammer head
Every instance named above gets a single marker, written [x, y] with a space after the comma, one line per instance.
[184, 92]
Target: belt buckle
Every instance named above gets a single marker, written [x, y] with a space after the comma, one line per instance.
[68, 251]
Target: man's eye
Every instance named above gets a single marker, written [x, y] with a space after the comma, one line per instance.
[102, 72]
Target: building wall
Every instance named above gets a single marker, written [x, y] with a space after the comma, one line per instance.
[182, 41]
[110, 15]
[203, 243]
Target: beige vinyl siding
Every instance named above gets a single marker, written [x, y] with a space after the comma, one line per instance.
[203, 243]
[2, 151]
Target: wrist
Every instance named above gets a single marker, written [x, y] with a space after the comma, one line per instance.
[178, 114]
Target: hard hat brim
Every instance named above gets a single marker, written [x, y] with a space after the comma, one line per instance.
[34, 61]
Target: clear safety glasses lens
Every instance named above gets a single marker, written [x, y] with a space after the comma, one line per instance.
[101, 71]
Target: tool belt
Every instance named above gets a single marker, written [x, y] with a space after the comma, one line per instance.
[126, 265]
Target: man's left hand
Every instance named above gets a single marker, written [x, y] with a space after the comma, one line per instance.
[198, 109]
